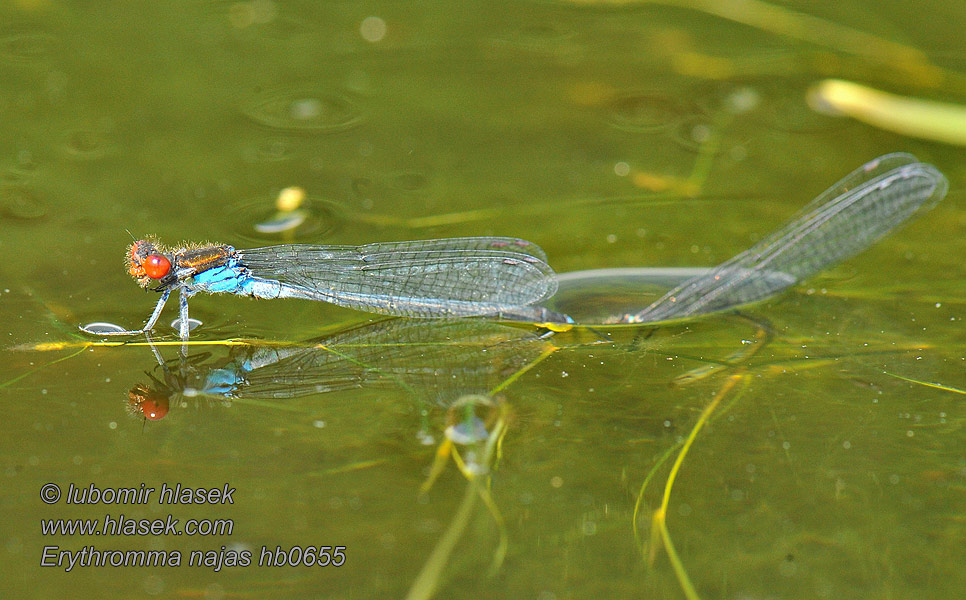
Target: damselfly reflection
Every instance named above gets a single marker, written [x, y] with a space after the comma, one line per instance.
[437, 363]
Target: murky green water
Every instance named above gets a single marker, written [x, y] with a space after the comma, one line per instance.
[827, 457]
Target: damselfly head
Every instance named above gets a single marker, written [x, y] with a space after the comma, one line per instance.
[147, 262]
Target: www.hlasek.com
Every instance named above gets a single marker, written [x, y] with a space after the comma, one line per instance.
[121, 525]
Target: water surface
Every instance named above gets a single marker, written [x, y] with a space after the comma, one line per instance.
[828, 456]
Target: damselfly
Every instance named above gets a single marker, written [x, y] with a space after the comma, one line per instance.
[455, 277]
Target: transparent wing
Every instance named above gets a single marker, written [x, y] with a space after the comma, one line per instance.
[843, 221]
[427, 278]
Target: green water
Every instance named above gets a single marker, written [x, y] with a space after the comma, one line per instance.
[831, 461]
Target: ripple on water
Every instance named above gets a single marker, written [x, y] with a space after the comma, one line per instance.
[271, 150]
[646, 112]
[260, 19]
[299, 110]
[408, 181]
[86, 144]
[15, 177]
[260, 221]
[694, 132]
[547, 38]
[774, 101]
[26, 44]
[21, 203]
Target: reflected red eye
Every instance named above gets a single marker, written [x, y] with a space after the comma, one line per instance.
[154, 410]
[156, 266]
[150, 404]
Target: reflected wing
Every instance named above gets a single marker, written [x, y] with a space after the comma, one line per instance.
[439, 360]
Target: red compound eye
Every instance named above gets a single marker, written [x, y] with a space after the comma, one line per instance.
[156, 266]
